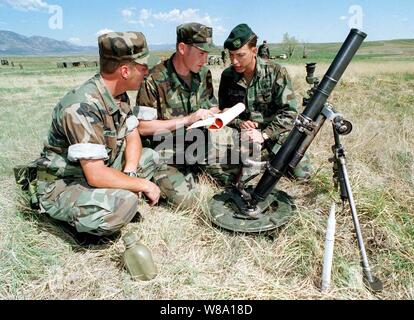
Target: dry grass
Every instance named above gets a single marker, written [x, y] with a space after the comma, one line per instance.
[38, 260]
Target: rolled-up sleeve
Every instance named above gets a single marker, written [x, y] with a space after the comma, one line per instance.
[87, 151]
[84, 129]
[132, 122]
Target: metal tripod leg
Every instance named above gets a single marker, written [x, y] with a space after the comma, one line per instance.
[373, 283]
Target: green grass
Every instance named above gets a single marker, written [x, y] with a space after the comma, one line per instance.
[39, 260]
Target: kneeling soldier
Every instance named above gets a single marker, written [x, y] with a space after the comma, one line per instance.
[87, 174]
[266, 90]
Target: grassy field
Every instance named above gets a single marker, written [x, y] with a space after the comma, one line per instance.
[370, 50]
[39, 260]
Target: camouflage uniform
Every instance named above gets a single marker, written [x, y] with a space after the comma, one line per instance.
[269, 98]
[165, 91]
[88, 123]
[263, 51]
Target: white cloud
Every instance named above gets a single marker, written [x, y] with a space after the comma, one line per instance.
[144, 14]
[103, 31]
[343, 17]
[188, 15]
[405, 19]
[75, 40]
[129, 16]
[220, 30]
[145, 17]
[29, 5]
[175, 15]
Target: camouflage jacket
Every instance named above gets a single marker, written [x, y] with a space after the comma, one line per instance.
[264, 51]
[164, 90]
[87, 123]
[269, 98]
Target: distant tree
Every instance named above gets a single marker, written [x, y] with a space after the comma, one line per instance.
[305, 55]
[289, 44]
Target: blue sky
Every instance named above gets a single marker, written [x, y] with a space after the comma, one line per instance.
[80, 21]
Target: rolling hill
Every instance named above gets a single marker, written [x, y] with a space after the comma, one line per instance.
[12, 43]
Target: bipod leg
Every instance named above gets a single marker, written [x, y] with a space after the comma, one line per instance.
[371, 281]
[339, 152]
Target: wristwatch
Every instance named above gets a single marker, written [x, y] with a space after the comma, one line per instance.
[131, 174]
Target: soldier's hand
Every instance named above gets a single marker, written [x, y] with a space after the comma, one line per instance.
[252, 135]
[215, 110]
[152, 191]
[246, 125]
[200, 114]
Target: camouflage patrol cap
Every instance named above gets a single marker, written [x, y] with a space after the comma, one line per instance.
[126, 46]
[239, 36]
[196, 34]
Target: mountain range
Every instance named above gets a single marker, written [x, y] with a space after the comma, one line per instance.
[12, 43]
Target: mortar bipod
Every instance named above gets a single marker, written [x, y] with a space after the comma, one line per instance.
[341, 126]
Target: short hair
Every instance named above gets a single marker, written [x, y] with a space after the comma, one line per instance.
[188, 45]
[252, 42]
[109, 66]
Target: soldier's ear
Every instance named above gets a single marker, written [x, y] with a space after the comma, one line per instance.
[254, 50]
[181, 48]
[124, 71]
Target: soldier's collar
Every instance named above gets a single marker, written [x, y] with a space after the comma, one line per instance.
[107, 98]
[259, 71]
[123, 102]
[176, 80]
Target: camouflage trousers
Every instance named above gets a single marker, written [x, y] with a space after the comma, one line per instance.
[93, 210]
[177, 182]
